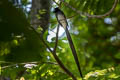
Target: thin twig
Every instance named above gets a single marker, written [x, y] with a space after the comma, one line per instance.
[88, 15]
[56, 42]
[55, 56]
[37, 62]
[56, 3]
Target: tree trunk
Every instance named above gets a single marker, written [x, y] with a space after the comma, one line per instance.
[43, 21]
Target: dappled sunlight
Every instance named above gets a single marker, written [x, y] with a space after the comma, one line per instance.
[27, 49]
[4, 49]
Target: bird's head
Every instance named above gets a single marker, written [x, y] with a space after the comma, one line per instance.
[56, 10]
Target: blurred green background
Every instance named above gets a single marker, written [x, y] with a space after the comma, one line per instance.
[97, 42]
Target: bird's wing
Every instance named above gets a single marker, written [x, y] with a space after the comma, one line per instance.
[62, 20]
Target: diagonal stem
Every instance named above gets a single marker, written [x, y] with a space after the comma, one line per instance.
[89, 15]
[54, 54]
[56, 42]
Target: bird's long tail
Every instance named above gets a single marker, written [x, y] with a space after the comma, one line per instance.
[73, 51]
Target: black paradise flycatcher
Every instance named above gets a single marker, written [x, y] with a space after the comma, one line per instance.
[63, 22]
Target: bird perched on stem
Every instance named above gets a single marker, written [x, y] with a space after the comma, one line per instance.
[63, 22]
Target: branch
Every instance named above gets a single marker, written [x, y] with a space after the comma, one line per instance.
[55, 56]
[56, 2]
[14, 64]
[88, 15]
[59, 4]
[56, 42]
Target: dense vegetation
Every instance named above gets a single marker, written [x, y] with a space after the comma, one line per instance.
[97, 41]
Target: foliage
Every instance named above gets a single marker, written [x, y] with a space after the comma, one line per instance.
[97, 42]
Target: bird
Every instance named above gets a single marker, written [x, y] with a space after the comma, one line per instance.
[61, 18]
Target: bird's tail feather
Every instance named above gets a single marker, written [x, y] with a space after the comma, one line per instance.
[73, 51]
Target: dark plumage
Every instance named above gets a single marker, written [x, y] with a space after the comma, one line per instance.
[56, 10]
